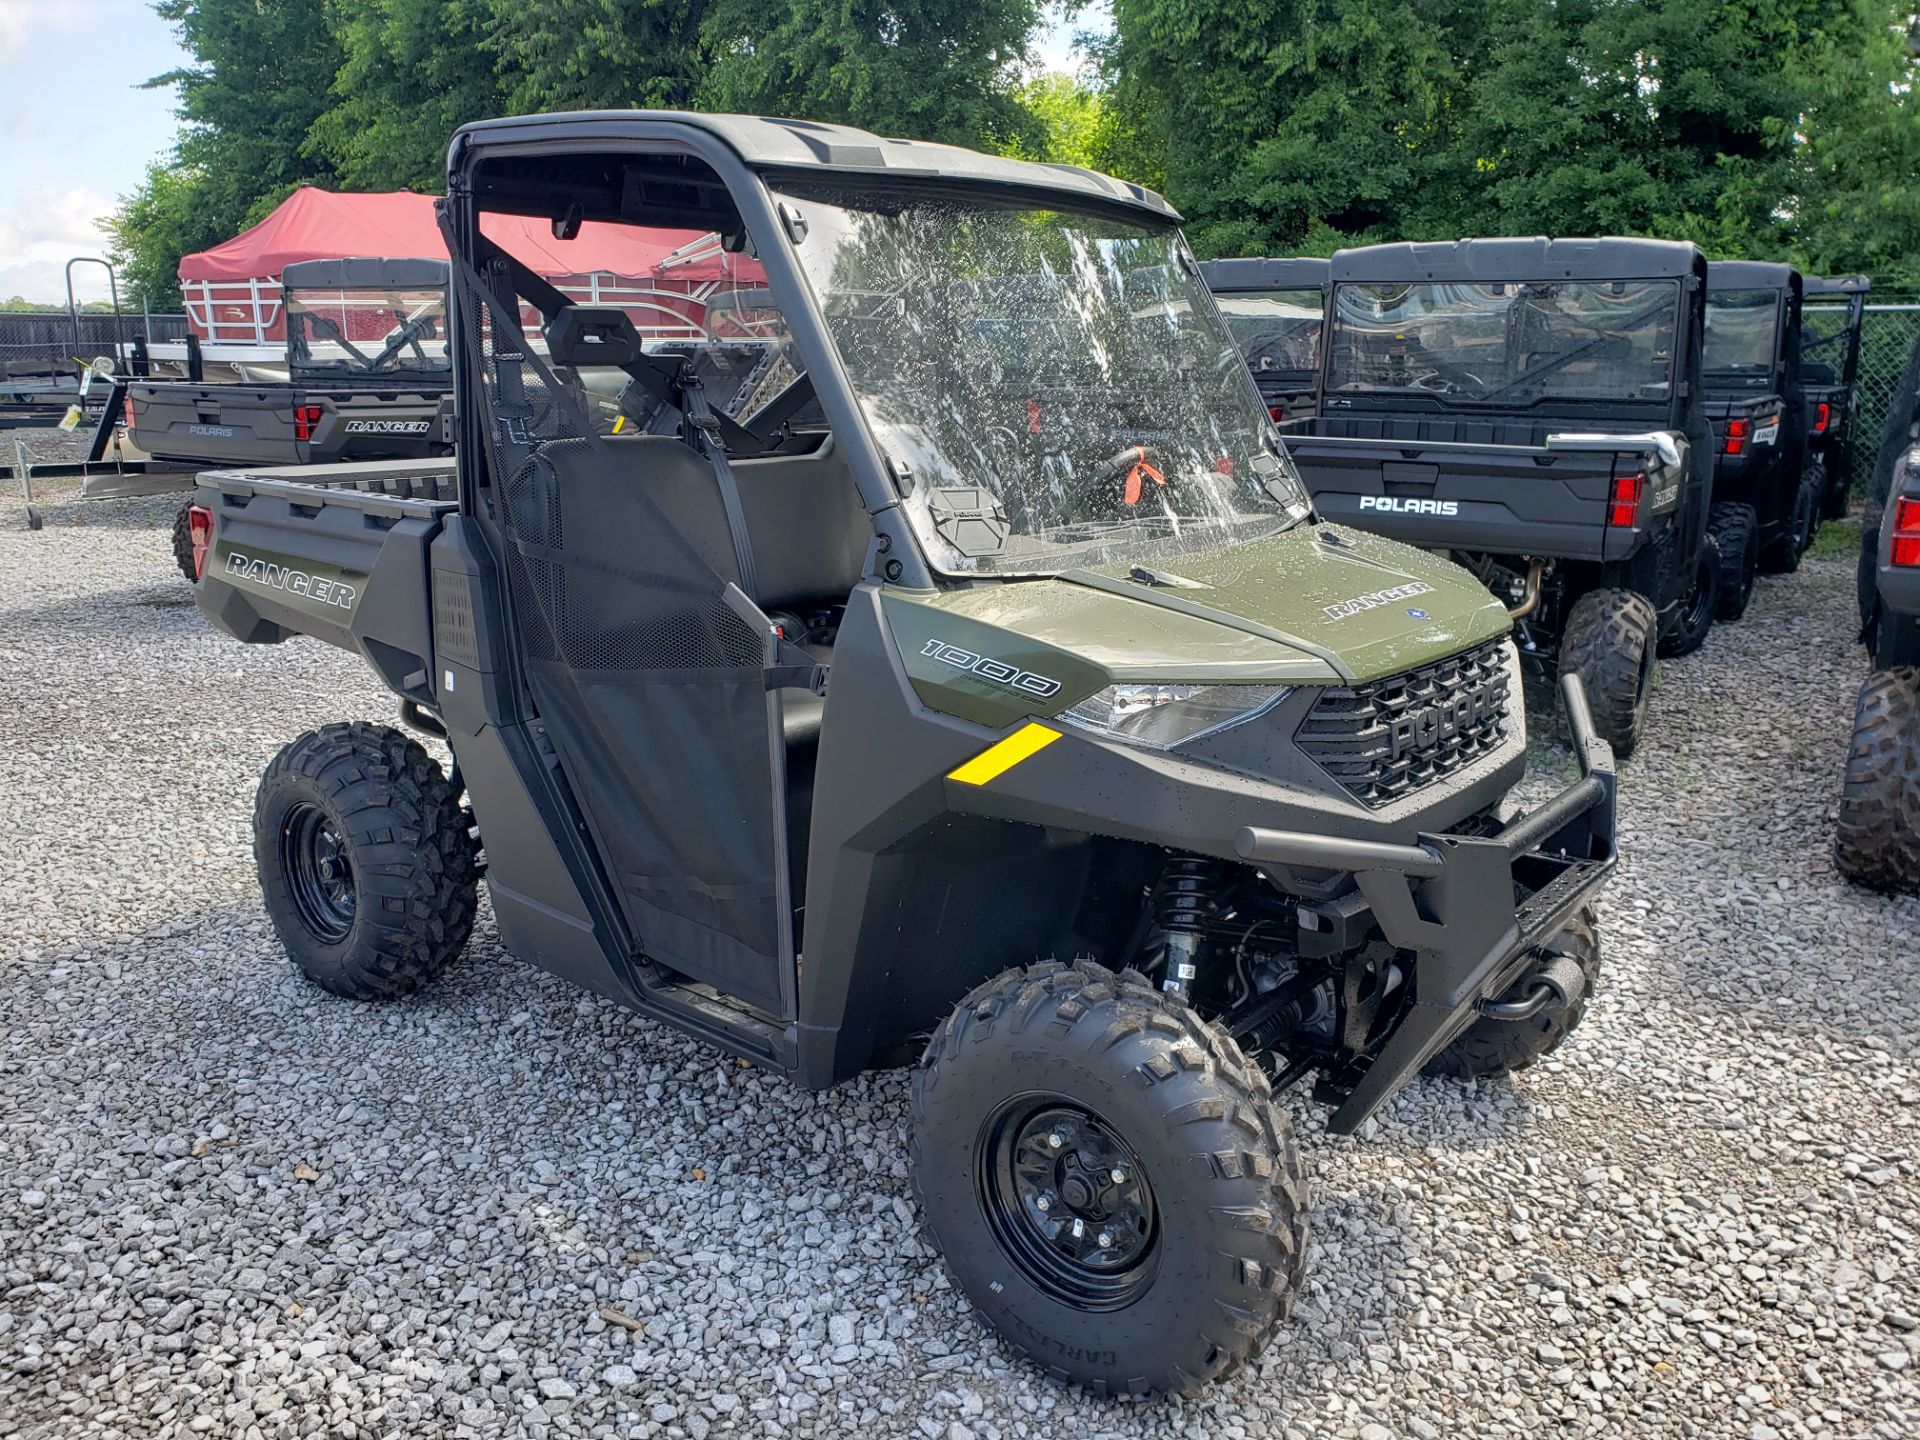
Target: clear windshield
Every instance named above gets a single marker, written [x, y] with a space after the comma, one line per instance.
[1276, 329]
[348, 333]
[1516, 342]
[1740, 328]
[1825, 335]
[1056, 388]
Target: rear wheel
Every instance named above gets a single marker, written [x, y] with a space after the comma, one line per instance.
[1814, 482]
[183, 544]
[366, 860]
[1689, 628]
[1499, 1047]
[1736, 535]
[1109, 1179]
[1877, 840]
[1608, 641]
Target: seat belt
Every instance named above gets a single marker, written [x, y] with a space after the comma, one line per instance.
[679, 387]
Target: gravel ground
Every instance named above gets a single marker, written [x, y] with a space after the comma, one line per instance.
[232, 1205]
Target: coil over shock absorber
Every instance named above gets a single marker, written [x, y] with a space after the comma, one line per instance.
[1181, 906]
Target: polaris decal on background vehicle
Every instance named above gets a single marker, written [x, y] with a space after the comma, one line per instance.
[1373, 600]
[388, 427]
[1401, 505]
[987, 668]
[211, 432]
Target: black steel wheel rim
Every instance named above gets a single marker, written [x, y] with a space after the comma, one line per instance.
[1068, 1201]
[319, 871]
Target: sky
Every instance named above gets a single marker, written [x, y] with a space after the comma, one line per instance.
[77, 131]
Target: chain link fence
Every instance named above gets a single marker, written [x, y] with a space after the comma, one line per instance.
[1887, 332]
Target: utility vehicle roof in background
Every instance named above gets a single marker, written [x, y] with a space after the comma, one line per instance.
[1751, 275]
[774, 144]
[1835, 285]
[1529, 258]
[365, 272]
[1256, 273]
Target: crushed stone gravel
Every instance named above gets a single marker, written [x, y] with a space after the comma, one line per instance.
[231, 1205]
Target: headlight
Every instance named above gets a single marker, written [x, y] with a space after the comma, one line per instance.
[1162, 716]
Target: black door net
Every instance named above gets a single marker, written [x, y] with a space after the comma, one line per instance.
[649, 669]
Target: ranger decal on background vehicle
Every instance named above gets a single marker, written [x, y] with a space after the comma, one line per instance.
[388, 427]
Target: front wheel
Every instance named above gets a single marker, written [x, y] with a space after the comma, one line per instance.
[1877, 840]
[1689, 628]
[1735, 529]
[1608, 641]
[1783, 552]
[366, 860]
[1108, 1179]
[1491, 1047]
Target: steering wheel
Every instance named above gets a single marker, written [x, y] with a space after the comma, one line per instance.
[1138, 470]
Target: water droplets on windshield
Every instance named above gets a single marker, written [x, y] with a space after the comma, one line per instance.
[1058, 387]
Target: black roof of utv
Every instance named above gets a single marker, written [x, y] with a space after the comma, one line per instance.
[365, 272]
[1524, 258]
[1255, 273]
[807, 146]
[1751, 275]
[1835, 285]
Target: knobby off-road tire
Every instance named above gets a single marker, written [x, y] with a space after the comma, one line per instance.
[1689, 628]
[1500, 1047]
[1814, 482]
[183, 545]
[1782, 554]
[1608, 641]
[1736, 532]
[1224, 1198]
[366, 860]
[1877, 841]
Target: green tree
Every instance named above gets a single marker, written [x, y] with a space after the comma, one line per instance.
[1068, 119]
[596, 54]
[1268, 122]
[166, 217]
[411, 73]
[928, 69]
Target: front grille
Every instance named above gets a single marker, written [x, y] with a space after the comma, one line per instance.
[1388, 738]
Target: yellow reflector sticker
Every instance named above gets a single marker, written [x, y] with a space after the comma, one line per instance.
[999, 758]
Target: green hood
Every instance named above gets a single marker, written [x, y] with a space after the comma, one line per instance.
[1293, 609]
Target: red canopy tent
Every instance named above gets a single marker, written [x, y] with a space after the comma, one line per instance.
[660, 277]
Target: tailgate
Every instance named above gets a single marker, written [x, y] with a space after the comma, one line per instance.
[1502, 499]
[338, 552]
[219, 424]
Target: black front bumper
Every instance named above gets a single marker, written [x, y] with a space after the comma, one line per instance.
[1473, 910]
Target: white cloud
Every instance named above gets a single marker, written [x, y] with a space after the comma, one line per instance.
[45, 230]
[17, 17]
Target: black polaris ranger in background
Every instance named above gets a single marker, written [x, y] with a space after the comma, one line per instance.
[1755, 404]
[1830, 318]
[809, 740]
[1532, 406]
[368, 378]
[1276, 311]
[1877, 841]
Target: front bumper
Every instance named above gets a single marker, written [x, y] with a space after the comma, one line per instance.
[1473, 910]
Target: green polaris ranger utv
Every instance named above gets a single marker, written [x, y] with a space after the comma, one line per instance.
[1014, 719]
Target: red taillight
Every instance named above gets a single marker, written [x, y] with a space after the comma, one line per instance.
[305, 419]
[126, 410]
[1737, 433]
[1906, 532]
[200, 531]
[1822, 417]
[1276, 413]
[1624, 505]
